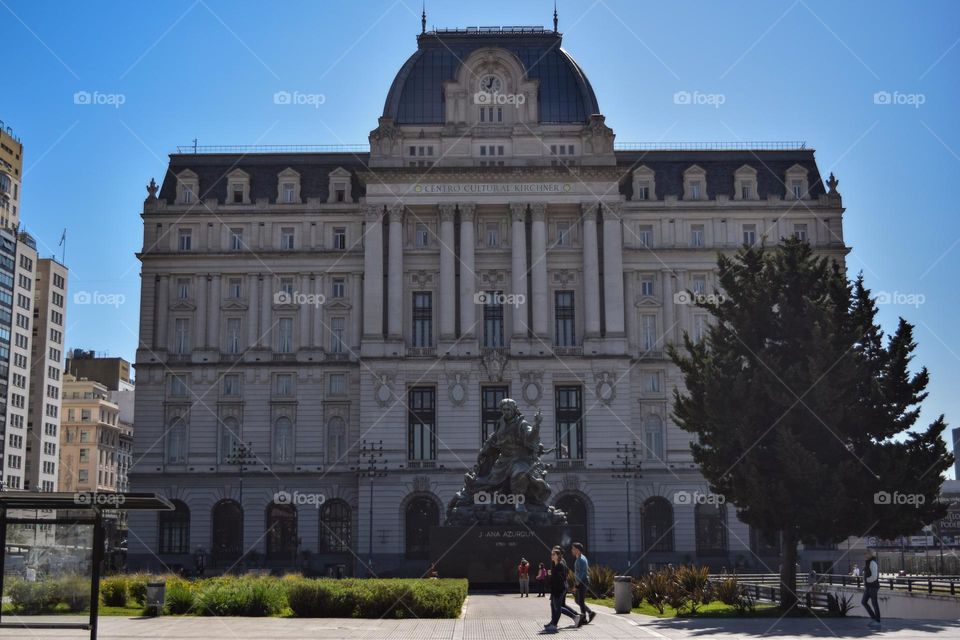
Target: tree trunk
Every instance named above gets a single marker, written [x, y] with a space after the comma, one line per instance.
[788, 571]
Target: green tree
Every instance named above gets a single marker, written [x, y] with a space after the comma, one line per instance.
[802, 408]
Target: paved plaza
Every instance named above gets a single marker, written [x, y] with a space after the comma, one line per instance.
[492, 617]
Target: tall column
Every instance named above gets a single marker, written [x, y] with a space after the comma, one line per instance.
[316, 337]
[518, 240]
[613, 269]
[266, 311]
[591, 271]
[683, 309]
[448, 301]
[468, 277]
[668, 307]
[200, 313]
[395, 275]
[253, 294]
[162, 332]
[213, 313]
[355, 282]
[538, 267]
[303, 340]
[373, 275]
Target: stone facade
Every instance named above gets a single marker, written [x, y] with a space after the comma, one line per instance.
[298, 306]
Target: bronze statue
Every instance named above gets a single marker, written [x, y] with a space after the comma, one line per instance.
[508, 483]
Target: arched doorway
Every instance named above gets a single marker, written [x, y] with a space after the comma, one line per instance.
[711, 523]
[173, 535]
[657, 525]
[226, 532]
[421, 513]
[282, 541]
[576, 509]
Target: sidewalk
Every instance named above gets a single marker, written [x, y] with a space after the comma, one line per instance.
[492, 617]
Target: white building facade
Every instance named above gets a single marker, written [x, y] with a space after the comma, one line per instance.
[494, 242]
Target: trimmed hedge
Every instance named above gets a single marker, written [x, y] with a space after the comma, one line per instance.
[376, 598]
[70, 592]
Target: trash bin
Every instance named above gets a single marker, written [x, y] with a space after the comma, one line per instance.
[622, 594]
[156, 594]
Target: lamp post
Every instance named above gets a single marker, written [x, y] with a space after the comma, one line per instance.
[241, 454]
[627, 466]
[371, 464]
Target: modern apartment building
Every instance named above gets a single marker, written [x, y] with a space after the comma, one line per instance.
[11, 176]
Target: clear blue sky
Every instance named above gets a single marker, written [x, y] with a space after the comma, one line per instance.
[804, 70]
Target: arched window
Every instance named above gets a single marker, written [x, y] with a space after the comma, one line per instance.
[576, 510]
[173, 534]
[711, 522]
[657, 525]
[336, 439]
[282, 532]
[421, 514]
[229, 439]
[653, 437]
[336, 527]
[227, 532]
[283, 440]
[177, 441]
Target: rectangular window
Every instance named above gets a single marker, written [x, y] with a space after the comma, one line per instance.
[648, 331]
[421, 424]
[490, 410]
[645, 235]
[651, 382]
[183, 288]
[647, 286]
[696, 235]
[237, 194]
[800, 232]
[700, 285]
[749, 234]
[700, 325]
[643, 191]
[563, 233]
[287, 238]
[493, 235]
[564, 314]
[338, 384]
[339, 286]
[285, 335]
[569, 412]
[235, 287]
[181, 331]
[231, 385]
[288, 192]
[695, 190]
[236, 240]
[422, 235]
[283, 384]
[746, 191]
[422, 319]
[234, 326]
[493, 319]
[797, 188]
[337, 335]
[186, 239]
[339, 238]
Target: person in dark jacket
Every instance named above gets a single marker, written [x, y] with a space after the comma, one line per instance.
[871, 587]
[558, 592]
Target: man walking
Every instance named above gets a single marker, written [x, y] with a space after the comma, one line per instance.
[871, 580]
[523, 575]
[581, 572]
[558, 592]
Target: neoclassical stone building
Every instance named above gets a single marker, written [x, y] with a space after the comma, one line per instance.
[493, 242]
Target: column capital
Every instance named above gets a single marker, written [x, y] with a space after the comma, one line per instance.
[611, 209]
[447, 210]
[518, 211]
[373, 212]
[589, 210]
[538, 211]
[467, 210]
[395, 212]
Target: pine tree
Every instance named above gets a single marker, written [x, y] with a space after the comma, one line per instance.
[803, 410]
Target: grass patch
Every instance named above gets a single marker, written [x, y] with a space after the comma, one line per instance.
[715, 609]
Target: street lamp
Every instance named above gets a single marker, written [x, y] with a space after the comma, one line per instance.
[627, 466]
[371, 464]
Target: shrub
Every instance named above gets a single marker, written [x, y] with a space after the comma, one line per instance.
[254, 597]
[691, 581]
[376, 598]
[32, 597]
[601, 580]
[179, 599]
[727, 590]
[658, 590]
[74, 591]
[840, 604]
[113, 591]
[137, 587]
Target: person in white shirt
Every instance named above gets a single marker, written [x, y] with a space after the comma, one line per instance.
[871, 580]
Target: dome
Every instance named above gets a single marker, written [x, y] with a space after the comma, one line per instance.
[416, 95]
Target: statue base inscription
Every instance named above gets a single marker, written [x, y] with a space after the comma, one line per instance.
[490, 555]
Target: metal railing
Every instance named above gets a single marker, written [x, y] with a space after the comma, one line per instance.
[272, 148]
[931, 585]
[793, 145]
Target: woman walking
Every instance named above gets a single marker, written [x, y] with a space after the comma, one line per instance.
[541, 580]
[523, 574]
[558, 592]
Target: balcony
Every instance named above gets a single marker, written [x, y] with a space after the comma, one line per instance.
[421, 352]
[568, 351]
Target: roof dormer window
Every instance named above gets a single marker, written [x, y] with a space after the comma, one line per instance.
[288, 187]
[340, 186]
[745, 183]
[796, 180]
[644, 184]
[238, 187]
[694, 184]
[188, 186]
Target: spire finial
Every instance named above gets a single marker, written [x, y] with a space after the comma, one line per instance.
[423, 17]
[554, 16]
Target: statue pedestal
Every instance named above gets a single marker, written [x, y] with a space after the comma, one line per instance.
[489, 555]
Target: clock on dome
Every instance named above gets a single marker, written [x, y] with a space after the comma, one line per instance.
[490, 83]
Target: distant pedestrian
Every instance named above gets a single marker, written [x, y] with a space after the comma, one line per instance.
[581, 572]
[871, 587]
[541, 580]
[558, 592]
[523, 574]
